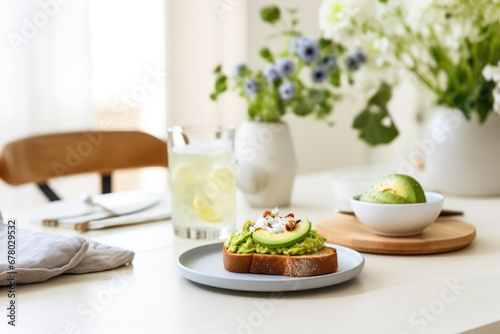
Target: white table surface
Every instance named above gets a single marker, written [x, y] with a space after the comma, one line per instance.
[393, 294]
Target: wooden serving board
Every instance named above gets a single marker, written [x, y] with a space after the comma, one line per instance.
[444, 235]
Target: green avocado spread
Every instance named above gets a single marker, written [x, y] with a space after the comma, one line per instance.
[242, 242]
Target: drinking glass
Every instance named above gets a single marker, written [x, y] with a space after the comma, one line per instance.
[201, 166]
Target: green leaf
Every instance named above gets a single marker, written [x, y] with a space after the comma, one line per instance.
[484, 100]
[335, 78]
[371, 122]
[463, 103]
[213, 96]
[266, 54]
[253, 110]
[324, 43]
[372, 131]
[221, 84]
[361, 120]
[340, 48]
[459, 100]
[245, 72]
[317, 95]
[324, 110]
[382, 96]
[301, 107]
[383, 1]
[270, 14]
[218, 69]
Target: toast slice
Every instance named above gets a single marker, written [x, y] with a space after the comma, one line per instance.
[319, 263]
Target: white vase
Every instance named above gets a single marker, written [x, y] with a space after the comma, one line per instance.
[266, 163]
[463, 157]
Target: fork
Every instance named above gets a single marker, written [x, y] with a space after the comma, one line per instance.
[87, 199]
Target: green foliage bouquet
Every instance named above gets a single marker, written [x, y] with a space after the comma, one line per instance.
[282, 86]
[451, 46]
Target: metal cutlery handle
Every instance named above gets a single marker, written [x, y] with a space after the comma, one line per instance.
[87, 199]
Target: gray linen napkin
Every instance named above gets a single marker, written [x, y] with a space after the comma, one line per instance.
[41, 256]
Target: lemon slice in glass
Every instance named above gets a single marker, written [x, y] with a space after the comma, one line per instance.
[204, 211]
[186, 175]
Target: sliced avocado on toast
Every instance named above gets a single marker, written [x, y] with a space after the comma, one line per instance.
[284, 239]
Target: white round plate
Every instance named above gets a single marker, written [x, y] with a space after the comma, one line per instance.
[204, 265]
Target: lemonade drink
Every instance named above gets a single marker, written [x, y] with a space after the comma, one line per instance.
[203, 189]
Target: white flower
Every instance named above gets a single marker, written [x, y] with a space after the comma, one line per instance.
[414, 13]
[429, 38]
[368, 80]
[342, 20]
[492, 72]
[490, 10]
[444, 22]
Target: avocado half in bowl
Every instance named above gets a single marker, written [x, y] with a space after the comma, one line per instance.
[398, 220]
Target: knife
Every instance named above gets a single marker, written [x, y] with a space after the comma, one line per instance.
[443, 213]
[81, 222]
[160, 211]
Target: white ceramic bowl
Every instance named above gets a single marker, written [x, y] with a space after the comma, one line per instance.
[350, 181]
[398, 220]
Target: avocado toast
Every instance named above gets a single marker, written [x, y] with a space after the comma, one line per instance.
[278, 245]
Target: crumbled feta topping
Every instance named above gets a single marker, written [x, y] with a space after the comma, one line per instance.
[273, 222]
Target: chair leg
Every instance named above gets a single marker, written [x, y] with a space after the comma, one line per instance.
[106, 183]
[51, 195]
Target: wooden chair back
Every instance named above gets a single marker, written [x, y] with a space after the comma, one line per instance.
[40, 158]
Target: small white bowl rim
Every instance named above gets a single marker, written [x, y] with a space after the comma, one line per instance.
[439, 198]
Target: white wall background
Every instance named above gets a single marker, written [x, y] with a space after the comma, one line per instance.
[199, 37]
